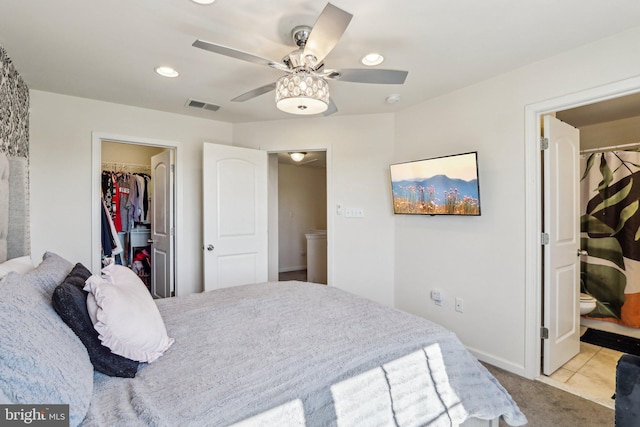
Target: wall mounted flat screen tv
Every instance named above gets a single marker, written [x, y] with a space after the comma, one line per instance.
[445, 185]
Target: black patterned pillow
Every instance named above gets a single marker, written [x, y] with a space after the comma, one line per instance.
[70, 302]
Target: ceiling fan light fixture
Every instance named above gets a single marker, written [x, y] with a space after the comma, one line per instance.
[297, 157]
[302, 93]
[372, 59]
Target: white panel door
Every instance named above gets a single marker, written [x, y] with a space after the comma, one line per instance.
[234, 216]
[561, 256]
[162, 236]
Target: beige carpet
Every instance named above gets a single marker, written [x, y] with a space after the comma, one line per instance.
[547, 406]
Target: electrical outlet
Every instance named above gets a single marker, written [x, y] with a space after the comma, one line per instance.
[459, 305]
[354, 213]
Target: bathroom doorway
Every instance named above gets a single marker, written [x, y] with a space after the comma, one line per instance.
[596, 126]
[608, 129]
[535, 199]
[605, 125]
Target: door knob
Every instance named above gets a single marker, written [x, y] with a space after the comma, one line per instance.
[209, 248]
[582, 252]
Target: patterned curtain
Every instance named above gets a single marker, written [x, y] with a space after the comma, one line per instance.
[610, 226]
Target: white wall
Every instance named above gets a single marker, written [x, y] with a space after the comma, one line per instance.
[302, 207]
[60, 173]
[482, 259]
[359, 152]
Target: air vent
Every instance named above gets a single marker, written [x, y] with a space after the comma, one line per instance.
[202, 105]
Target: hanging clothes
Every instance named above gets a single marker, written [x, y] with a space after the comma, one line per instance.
[110, 242]
[115, 204]
[123, 189]
[126, 196]
[141, 192]
[134, 199]
[111, 197]
[106, 237]
[107, 189]
[138, 202]
[145, 197]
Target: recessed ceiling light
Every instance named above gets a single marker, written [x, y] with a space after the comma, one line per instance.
[167, 72]
[203, 1]
[372, 59]
[393, 98]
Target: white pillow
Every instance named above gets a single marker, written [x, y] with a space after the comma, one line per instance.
[20, 265]
[125, 315]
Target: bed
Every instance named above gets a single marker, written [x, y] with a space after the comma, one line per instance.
[265, 354]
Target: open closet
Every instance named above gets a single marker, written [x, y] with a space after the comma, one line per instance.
[130, 206]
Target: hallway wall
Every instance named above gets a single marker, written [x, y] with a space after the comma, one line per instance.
[302, 206]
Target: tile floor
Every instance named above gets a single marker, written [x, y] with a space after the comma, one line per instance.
[590, 374]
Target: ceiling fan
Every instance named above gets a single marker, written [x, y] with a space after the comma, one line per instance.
[304, 89]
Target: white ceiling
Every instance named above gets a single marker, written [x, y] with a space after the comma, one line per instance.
[107, 50]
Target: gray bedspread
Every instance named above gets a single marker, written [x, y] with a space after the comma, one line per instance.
[293, 353]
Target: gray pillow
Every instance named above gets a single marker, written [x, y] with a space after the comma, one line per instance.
[41, 359]
[49, 273]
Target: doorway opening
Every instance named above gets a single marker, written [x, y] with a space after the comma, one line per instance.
[608, 261]
[534, 196]
[134, 186]
[609, 135]
[300, 212]
[249, 251]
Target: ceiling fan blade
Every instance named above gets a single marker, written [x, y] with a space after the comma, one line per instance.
[233, 53]
[326, 32]
[255, 92]
[375, 76]
[332, 108]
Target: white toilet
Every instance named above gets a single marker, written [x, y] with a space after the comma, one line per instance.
[587, 304]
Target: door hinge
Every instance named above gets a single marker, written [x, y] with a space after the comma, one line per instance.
[544, 143]
[544, 238]
[172, 231]
[172, 168]
[544, 333]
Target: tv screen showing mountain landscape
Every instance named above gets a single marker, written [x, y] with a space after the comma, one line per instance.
[439, 186]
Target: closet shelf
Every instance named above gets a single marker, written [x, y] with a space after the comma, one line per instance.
[125, 167]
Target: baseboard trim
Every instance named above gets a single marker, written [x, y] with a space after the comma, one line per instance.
[499, 362]
[288, 269]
